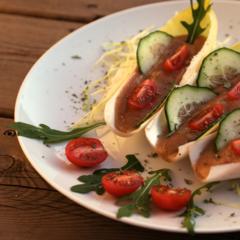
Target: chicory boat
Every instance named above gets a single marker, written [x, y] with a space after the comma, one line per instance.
[190, 113]
[217, 156]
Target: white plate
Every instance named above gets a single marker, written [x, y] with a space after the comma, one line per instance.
[43, 99]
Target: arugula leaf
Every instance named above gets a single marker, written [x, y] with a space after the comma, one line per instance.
[49, 135]
[192, 210]
[132, 163]
[140, 200]
[194, 29]
[126, 211]
[93, 182]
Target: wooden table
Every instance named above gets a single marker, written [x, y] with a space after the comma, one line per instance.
[29, 207]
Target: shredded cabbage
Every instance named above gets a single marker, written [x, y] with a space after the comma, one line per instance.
[119, 60]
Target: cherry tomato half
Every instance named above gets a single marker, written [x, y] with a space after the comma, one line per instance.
[176, 61]
[201, 122]
[235, 146]
[170, 199]
[85, 152]
[143, 95]
[121, 183]
[234, 93]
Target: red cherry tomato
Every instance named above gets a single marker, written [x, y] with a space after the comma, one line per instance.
[234, 93]
[85, 152]
[201, 122]
[170, 199]
[235, 146]
[144, 95]
[177, 61]
[121, 183]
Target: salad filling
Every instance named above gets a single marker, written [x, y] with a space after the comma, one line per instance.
[224, 148]
[199, 121]
[137, 99]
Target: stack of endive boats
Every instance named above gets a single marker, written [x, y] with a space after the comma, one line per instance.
[184, 92]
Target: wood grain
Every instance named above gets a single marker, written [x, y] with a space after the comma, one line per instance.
[31, 209]
[22, 41]
[74, 10]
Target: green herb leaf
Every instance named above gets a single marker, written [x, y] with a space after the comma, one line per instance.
[192, 210]
[164, 173]
[102, 171]
[133, 163]
[125, 211]
[189, 221]
[93, 182]
[207, 187]
[49, 135]
[194, 29]
[140, 200]
[88, 187]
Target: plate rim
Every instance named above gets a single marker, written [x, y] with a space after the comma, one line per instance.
[72, 196]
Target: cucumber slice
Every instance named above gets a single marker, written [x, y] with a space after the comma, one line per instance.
[150, 48]
[182, 101]
[229, 129]
[218, 68]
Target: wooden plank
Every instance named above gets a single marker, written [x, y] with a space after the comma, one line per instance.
[14, 168]
[31, 209]
[76, 10]
[22, 41]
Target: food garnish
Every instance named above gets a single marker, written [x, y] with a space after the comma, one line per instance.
[49, 135]
[178, 60]
[85, 152]
[139, 201]
[229, 129]
[211, 115]
[93, 182]
[194, 29]
[192, 210]
[122, 182]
